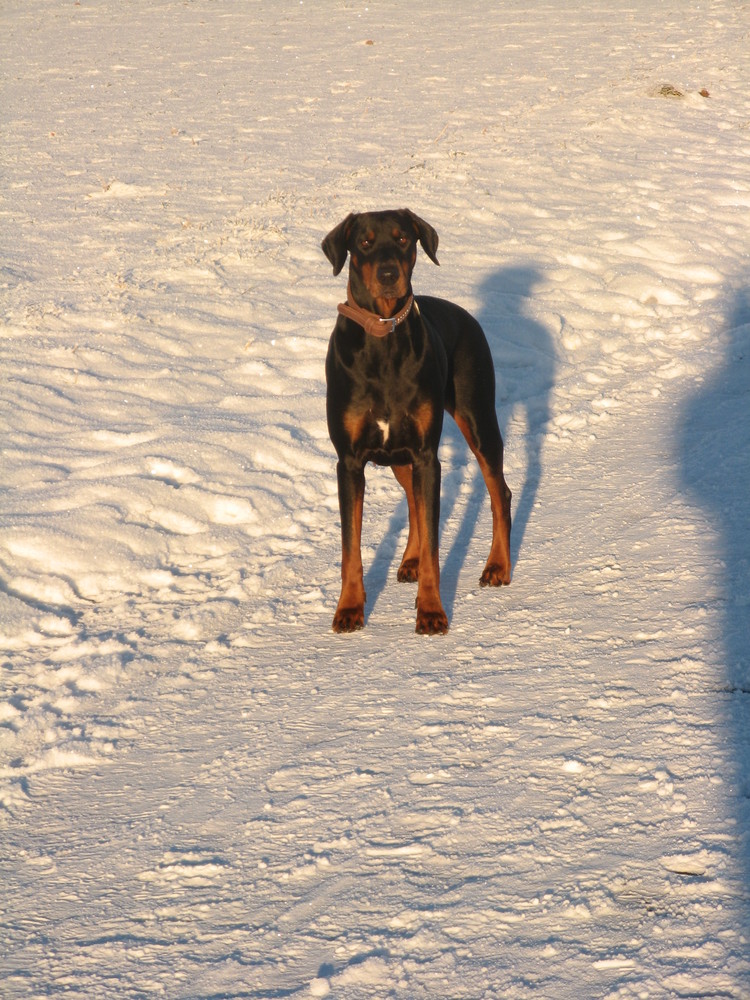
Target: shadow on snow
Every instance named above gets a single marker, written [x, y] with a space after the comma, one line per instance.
[714, 451]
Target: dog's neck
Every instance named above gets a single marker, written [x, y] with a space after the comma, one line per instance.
[371, 322]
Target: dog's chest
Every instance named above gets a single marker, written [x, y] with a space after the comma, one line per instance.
[386, 395]
[388, 431]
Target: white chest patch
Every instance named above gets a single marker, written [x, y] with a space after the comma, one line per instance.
[385, 428]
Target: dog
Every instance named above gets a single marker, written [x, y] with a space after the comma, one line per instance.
[395, 363]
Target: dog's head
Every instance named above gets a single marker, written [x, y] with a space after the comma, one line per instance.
[382, 247]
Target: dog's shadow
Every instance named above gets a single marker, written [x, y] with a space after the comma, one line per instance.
[524, 357]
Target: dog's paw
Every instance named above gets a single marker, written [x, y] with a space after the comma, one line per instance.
[408, 571]
[431, 622]
[495, 575]
[349, 619]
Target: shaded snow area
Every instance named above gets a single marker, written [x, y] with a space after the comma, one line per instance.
[205, 792]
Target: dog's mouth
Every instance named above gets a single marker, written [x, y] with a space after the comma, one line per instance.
[395, 291]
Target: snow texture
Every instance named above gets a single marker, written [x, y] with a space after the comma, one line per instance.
[205, 792]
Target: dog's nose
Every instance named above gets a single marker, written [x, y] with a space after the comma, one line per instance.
[388, 274]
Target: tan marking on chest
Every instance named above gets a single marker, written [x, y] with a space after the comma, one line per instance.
[354, 422]
[423, 417]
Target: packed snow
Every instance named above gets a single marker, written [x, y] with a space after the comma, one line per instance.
[205, 792]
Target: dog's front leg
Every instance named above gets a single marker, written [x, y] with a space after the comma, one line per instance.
[431, 618]
[350, 613]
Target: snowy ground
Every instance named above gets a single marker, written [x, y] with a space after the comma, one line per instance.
[205, 792]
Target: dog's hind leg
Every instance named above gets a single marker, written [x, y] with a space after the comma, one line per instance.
[487, 447]
[408, 571]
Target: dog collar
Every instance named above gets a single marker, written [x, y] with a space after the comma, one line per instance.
[376, 325]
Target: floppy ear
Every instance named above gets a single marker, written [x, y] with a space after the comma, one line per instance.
[334, 245]
[427, 236]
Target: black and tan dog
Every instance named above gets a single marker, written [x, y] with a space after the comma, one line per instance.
[395, 363]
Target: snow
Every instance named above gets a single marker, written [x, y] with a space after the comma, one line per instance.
[204, 791]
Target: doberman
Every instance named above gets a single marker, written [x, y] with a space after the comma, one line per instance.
[394, 364]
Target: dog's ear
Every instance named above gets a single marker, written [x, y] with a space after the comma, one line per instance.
[427, 236]
[334, 245]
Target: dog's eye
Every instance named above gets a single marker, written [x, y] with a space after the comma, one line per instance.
[365, 244]
[403, 241]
